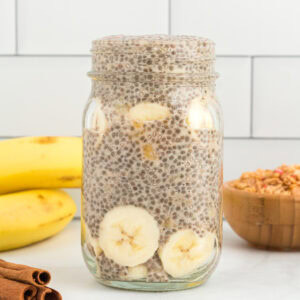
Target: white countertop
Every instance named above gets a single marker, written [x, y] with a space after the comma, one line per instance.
[243, 272]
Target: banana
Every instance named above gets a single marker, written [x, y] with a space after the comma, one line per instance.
[149, 152]
[199, 116]
[147, 111]
[136, 273]
[128, 235]
[31, 216]
[40, 162]
[93, 243]
[83, 231]
[99, 122]
[83, 225]
[185, 252]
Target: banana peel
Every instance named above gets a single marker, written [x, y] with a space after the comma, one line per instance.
[40, 162]
[31, 216]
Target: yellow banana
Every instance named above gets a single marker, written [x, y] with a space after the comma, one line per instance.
[31, 216]
[40, 162]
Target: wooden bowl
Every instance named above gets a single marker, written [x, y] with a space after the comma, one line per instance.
[268, 221]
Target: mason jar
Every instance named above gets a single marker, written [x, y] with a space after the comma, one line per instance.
[152, 170]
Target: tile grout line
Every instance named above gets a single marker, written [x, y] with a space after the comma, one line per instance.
[276, 55]
[45, 55]
[261, 55]
[16, 29]
[169, 17]
[263, 138]
[233, 56]
[251, 94]
[21, 136]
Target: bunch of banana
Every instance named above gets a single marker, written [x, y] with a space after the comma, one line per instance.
[30, 169]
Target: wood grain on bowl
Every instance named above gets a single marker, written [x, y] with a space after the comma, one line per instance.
[270, 221]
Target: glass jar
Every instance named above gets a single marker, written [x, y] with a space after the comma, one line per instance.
[152, 173]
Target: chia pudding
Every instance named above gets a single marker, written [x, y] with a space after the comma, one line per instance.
[152, 173]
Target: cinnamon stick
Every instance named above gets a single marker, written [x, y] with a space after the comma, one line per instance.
[45, 293]
[24, 274]
[14, 290]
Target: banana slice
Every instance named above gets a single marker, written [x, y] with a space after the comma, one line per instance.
[212, 212]
[185, 252]
[129, 235]
[147, 111]
[136, 273]
[149, 152]
[96, 247]
[83, 231]
[199, 116]
[93, 243]
[99, 122]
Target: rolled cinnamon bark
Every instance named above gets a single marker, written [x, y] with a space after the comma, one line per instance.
[14, 290]
[45, 293]
[24, 274]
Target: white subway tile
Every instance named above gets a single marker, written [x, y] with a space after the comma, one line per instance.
[233, 91]
[7, 27]
[241, 27]
[68, 27]
[248, 155]
[276, 97]
[43, 95]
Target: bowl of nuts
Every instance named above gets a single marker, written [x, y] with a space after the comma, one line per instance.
[263, 207]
